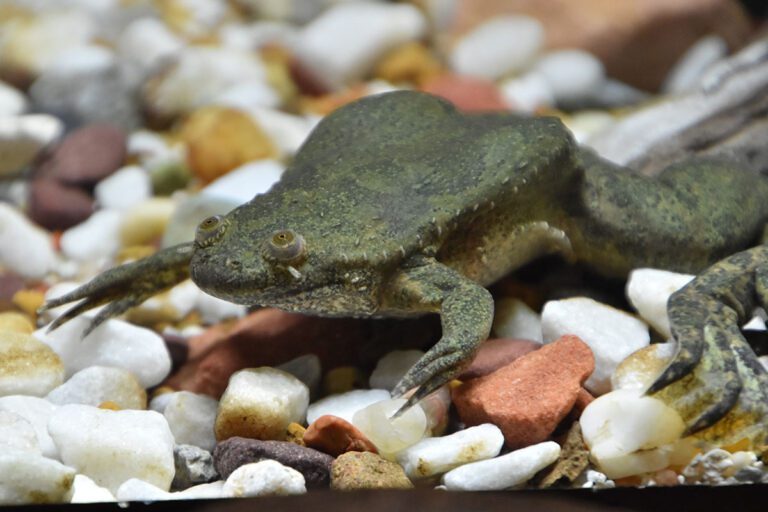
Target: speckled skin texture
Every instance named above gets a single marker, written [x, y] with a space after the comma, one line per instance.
[398, 205]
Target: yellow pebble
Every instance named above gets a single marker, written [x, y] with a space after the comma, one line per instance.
[145, 223]
[342, 379]
[411, 63]
[295, 434]
[162, 390]
[28, 301]
[112, 406]
[16, 322]
[220, 139]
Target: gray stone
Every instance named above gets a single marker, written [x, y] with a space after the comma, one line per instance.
[725, 116]
[193, 466]
[237, 451]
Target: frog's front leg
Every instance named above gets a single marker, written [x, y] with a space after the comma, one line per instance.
[125, 286]
[466, 314]
[715, 374]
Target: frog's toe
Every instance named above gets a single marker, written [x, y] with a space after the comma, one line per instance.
[124, 287]
[437, 367]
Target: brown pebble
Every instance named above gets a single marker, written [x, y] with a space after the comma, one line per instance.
[529, 397]
[237, 451]
[56, 205]
[467, 93]
[365, 470]
[334, 436]
[86, 156]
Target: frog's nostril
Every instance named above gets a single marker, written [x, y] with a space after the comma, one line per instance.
[233, 263]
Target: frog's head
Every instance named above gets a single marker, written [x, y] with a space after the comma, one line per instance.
[239, 266]
[265, 262]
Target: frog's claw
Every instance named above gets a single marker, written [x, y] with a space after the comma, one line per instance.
[466, 313]
[715, 377]
[125, 286]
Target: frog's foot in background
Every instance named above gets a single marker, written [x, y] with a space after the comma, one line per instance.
[715, 380]
[125, 286]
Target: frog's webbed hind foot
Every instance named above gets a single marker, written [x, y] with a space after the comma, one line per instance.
[715, 380]
[125, 286]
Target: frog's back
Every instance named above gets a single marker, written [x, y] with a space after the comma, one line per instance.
[400, 173]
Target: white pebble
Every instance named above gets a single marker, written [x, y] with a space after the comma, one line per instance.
[214, 310]
[611, 334]
[27, 366]
[391, 435]
[573, 75]
[502, 45]
[22, 138]
[514, 319]
[287, 131]
[27, 478]
[764, 361]
[345, 41]
[259, 33]
[125, 188]
[191, 417]
[390, 368]
[436, 455]
[135, 489]
[12, 101]
[36, 45]
[16, 433]
[693, 65]
[243, 183]
[265, 478]
[114, 343]
[96, 238]
[345, 405]
[159, 402]
[97, 384]
[265, 399]
[152, 150]
[24, 248]
[112, 446]
[85, 490]
[527, 93]
[37, 411]
[589, 123]
[629, 433]
[250, 95]
[510, 470]
[199, 75]
[144, 44]
[648, 290]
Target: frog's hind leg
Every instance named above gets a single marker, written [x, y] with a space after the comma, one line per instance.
[715, 381]
[466, 312]
[125, 286]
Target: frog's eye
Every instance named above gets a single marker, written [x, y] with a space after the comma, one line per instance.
[209, 230]
[286, 246]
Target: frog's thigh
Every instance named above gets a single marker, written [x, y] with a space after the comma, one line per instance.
[466, 313]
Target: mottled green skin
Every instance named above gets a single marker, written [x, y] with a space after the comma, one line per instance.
[407, 206]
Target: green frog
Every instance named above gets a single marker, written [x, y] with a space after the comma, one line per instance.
[398, 204]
